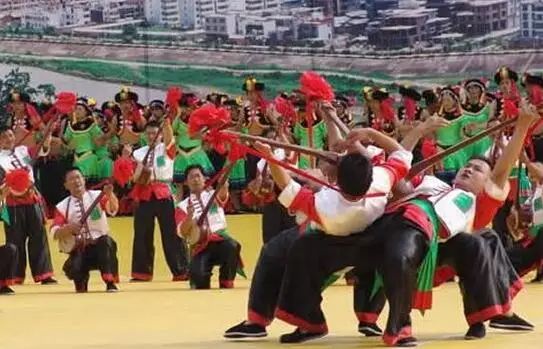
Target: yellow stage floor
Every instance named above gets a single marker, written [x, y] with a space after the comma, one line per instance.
[163, 314]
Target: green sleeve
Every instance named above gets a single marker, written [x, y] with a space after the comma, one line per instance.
[297, 132]
[95, 131]
[68, 134]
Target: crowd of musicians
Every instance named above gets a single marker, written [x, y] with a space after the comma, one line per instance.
[78, 162]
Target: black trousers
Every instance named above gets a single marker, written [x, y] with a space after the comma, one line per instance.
[275, 219]
[143, 251]
[8, 262]
[526, 258]
[488, 280]
[223, 254]
[100, 256]
[311, 260]
[27, 226]
[499, 224]
[367, 307]
[268, 277]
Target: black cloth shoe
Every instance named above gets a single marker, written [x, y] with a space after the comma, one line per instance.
[81, 286]
[49, 281]
[369, 330]
[6, 291]
[138, 280]
[476, 331]
[407, 342]
[511, 323]
[244, 330]
[111, 287]
[537, 279]
[299, 337]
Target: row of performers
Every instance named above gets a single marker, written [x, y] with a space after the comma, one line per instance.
[95, 137]
[431, 233]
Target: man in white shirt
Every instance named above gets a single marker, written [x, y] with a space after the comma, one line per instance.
[88, 243]
[361, 200]
[211, 244]
[154, 200]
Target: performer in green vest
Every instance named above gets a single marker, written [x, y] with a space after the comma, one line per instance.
[84, 136]
[301, 135]
[190, 151]
[477, 111]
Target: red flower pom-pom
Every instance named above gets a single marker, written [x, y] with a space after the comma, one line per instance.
[65, 102]
[123, 170]
[18, 180]
[315, 87]
[173, 96]
[208, 116]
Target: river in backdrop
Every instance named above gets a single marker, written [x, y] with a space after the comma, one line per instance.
[101, 91]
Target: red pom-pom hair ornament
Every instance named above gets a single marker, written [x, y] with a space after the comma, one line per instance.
[65, 102]
[286, 109]
[173, 96]
[18, 180]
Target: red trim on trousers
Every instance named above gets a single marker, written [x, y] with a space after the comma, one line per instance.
[443, 274]
[142, 276]
[7, 282]
[422, 300]
[300, 323]
[495, 310]
[226, 283]
[258, 319]
[108, 277]
[182, 277]
[19, 280]
[391, 340]
[369, 318]
[44, 276]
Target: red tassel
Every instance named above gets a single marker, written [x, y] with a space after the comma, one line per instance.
[286, 109]
[428, 148]
[208, 116]
[65, 102]
[173, 96]
[18, 180]
[123, 170]
[536, 95]
[410, 106]
[387, 109]
[510, 109]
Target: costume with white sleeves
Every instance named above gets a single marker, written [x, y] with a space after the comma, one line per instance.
[24, 221]
[155, 201]
[328, 216]
[211, 245]
[100, 251]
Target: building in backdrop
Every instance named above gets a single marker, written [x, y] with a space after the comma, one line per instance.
[532, 19]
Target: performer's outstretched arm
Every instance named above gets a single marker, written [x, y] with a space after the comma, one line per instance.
[279, 175]
[423, 129]
[505, 163]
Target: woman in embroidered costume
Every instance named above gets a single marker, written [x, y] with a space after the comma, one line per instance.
[190, 151]
[477, 110]
[379, 110]
[255, 117]
[301, 133]
[84, 136]
[25, 121]
[343, 103]
[130, 122]
[409, 115]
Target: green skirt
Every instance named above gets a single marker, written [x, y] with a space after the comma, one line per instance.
[238, 175]
[88, 165]
[197, 157]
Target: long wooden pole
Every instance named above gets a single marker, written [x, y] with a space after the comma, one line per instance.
[423, 165]
[328, 156]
